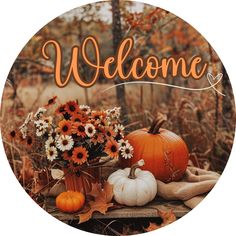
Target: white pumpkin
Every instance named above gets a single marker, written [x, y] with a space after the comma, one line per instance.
[133, 186]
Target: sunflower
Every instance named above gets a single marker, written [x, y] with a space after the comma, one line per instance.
[64, 127]
[29, 141]
[127, 151]
[64, 142]
[79, 118]
[51, 101]
[67, 155]
[79, 129]
[80, 155]
[101, 123]
[98, 115]
[97, 138]
[109, 132]
[51, 153]
[71, 107]
[112, 148]
[90, 130]
[61, 109]
[12, 135]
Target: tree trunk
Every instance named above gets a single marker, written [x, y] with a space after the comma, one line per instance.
[117, 37]
[228, 100]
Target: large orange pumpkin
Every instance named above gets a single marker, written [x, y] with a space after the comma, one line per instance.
[165, 153]
[70, 201]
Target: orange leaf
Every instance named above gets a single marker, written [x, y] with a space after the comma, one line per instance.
[168, 217]
[95, 206]
[152, 226]
[102, 198]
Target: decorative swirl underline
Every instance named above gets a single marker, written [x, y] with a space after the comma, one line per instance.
[210, 78]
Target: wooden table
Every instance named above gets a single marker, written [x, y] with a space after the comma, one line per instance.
[148, 211]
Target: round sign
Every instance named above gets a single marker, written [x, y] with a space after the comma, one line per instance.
[119, 118]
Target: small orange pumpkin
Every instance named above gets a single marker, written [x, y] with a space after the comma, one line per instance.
[70, 201]
[165, 153]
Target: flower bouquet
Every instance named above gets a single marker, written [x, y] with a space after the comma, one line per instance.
[77, 137]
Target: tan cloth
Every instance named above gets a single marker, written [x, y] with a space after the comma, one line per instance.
[191, 189]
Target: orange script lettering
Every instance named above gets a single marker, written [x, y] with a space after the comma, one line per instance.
[150, 67]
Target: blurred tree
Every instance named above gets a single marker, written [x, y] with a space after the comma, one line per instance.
[228, 100]
[117, 37]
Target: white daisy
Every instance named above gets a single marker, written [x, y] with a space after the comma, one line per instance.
[48, 120]
[28, 118]
[40, 131]
[49, 143]
[41, 124]
[51, 153]
[127, 151]
[40, 112]
[23, 129]
[119, 128]
[114, 113]
[52, 133]
[122, 143]
[90, 130]
[85, 109]
[65, 142]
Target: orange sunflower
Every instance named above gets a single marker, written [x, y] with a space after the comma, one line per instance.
[51, 101]
[71, 107]
[79, 118]
[97, 138]
[80, 155]
[109, 132]
[112, 148]
[67, 155]
[64, 127]
[79, 129]
[29, 141]
[12, 135]
[98, 115]
[61, 109]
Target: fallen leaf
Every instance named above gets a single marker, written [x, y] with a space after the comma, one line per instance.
[101, 203]
[57, 173]
[168, 217]
[95, 206]
[152, 226]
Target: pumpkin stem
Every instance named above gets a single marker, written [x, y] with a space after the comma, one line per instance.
[157, 123]
[134, 167]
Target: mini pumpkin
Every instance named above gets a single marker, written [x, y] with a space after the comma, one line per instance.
[165, 153]
[70, 201]
[133, 186]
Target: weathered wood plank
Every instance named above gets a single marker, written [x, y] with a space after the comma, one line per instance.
[150, 210]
